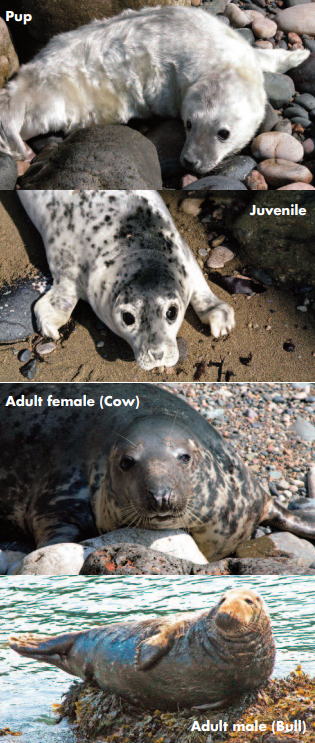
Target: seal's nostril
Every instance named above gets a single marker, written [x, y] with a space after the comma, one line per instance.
[189, 164]
[159, 499]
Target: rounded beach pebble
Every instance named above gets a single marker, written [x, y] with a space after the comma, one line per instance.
[279, 145]
[278, 172]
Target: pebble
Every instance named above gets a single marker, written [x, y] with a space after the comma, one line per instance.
[29, 370]
[219, 257]
[238, 167]
[308, 146]
[25, 355]
[269, 121]
[284, 126]
[191, 206]
[237, 17]
[100, 344]
[216, 183]
[262, 44]
[44, 348]
[278, 172]
[304, 429]
[305, 100]
[16, 311]
[279, 88]
[298, 186]
[300, 19]
[255, 181]
[8, 172]
[291, 111]
[247, 34]
[187, 179]
[264, 28]
[277, 144]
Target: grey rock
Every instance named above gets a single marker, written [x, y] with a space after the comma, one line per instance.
[219, 567]
[303, 76]
[174, 542]
[169, 138]
[247, 34]
[8, 172]
[16, 320]
[25, 355]
[279, 88]
[237, 167]
[269, 121]
[131, 559]
[214, 7]
[29, 370]
[259, 275]
[284, 126]
[106, 157]
[303, 429]
[302, 504]
[293, 546]
[3, 563]
[216, 183]
[295, 110]
[310, 44]
[304, 122]
[269, 566]
[305, 100]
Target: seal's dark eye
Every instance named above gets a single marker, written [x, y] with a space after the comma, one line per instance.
[249, 601]
[126, 463]
[188, 124]
[185, 458]
[223, 134]
[128, 318]
[172, 313]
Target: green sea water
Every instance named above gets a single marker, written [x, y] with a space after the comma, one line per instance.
[28, 689]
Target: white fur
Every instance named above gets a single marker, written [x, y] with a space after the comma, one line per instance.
[143, 273]
[167, 61]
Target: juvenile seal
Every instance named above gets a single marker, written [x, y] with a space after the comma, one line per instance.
[71, 472]
[121, 252]
[173, 62]
[182, 660]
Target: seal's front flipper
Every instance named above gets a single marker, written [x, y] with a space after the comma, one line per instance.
[53, 310]
[52, 650]
[150, 651]
[279, 60]
[219, 315]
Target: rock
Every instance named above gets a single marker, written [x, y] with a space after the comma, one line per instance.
[261, 44]
[25, 355]
[216, 183]
[16, 302]
[29, 370]
[237, 17]
[309, 146]
[8, 171]
[303, 429]
[45, 348]
[174, 542]
[278, 544]
[298, 186]
[278, 172]
[304, 123]
[269, 121]
[277, 145]
[13, 558]
[130, 559]
[169, 138]
[294, 110]
[303, 76]
[220, 567]
[219, 257]
[3, 563]
[310, 44]
[108, 157]
[300, 19]
[247, 34]
[237, 167]
[255, 181]
[264, 28]
[292, 3]
[311, 482]
[279, 88]
[284, 126]
[259, 275]
[56, 559]
[183, 350]
[302, 504]
[294, 39]
[269, 566]
[214, 7]
[187, 179]
[306, 101]
[9, 63]
[191, 206]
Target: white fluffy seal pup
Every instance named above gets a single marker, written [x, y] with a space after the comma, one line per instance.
[173, 62]
[121, 252]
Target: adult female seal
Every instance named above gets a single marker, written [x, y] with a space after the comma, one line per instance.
[182, 660]
[121, 251]
[69, 472]
[173, 62]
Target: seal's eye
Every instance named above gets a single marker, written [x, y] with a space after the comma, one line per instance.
[126, 463]
[223, 134]
[185, 458]
[249, 601]
[172, 313]
[128, 318]
[188, 124]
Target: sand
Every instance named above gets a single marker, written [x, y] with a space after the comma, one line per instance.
[78, 359]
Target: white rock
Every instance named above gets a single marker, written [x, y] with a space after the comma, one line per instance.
[293, 546]
[56, 559]
[174, 542]
[219, 257]
[191, 206]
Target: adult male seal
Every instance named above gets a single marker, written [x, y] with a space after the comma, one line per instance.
[173, 62]
[69, 472]
[182, 660]
[121, 251]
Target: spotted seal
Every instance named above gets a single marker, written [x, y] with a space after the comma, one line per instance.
[70, 472]
[121, 251]
[183, 660]
[170, 61]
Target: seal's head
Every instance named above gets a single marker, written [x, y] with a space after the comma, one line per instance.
[149, 475]
[221, 116]
[239, 612]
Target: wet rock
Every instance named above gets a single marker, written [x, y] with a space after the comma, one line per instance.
[237, 167]
[278, 172]
[216, 183]
[301, 122]
[264, 28]
[130, 559]
[303, 429]
[278, 544]
[106, 157]
[169, 138]
[16, 318]
[174, 542]
[300, 19]
[279, 88]
[270, 120]
[255, 181]
[303, 76]
[8, 172]
[277, 145]
[3, 563]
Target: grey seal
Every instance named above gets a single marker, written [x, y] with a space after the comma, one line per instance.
[121, 252]
[183, 660]
[71, 472]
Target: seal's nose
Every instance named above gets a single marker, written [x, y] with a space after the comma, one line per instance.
[159, 499]
[189, 164]
[156, 355]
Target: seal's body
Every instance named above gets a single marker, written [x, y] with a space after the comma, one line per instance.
[183, 660]
[121, 251]
[69, 473]
[173, 62]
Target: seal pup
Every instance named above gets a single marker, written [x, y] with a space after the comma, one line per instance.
[183, 660]
[173, 62]
[68, 473]
[121, 252]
